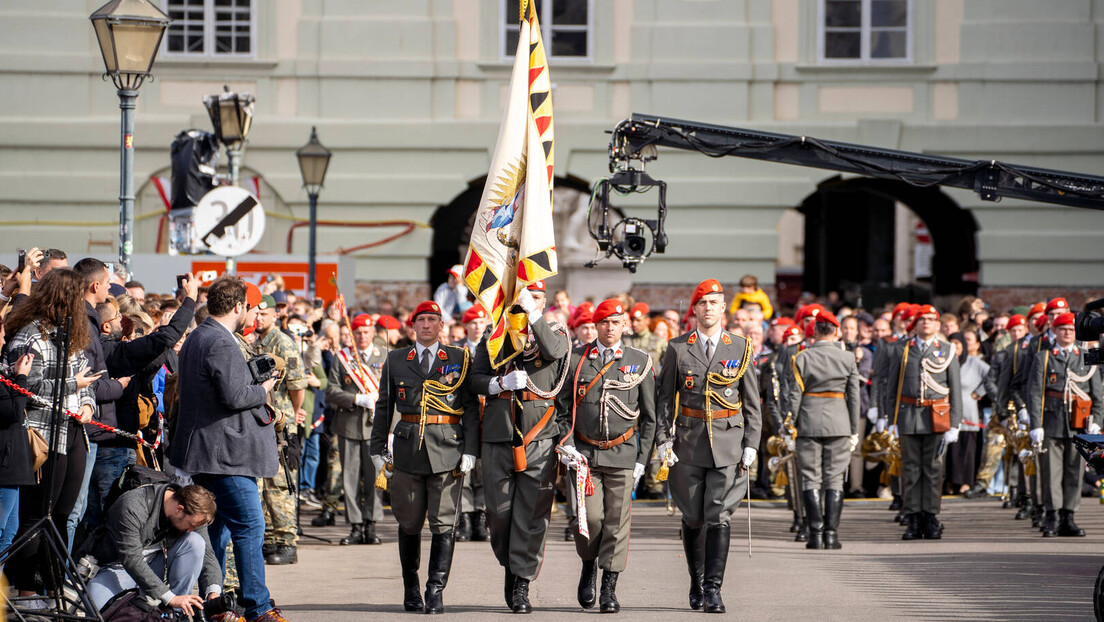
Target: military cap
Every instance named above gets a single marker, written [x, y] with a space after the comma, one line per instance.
[1066, 319]
[607, 308]
[708, 286]
[425, 306]
[361, 319]
[473, 312]
[1057, 303]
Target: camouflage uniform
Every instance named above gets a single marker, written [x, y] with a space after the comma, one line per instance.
[277, 500]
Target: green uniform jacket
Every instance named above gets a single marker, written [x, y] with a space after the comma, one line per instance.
[277, 343]
[630, 367]
[544, 361]
[916, 419]
[349, 420]
[685, 372]
[401, 390]
[825, 367]
[1049, 374]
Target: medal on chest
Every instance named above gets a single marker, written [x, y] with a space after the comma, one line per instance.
[630, 373]
[689, 382]
[401, 392]
[730, 367]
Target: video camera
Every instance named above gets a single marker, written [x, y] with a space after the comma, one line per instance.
[1091, 448]
[1089, 325]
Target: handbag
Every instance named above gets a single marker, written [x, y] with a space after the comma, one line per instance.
[1079, 413]
[39, 451]
[941, 415]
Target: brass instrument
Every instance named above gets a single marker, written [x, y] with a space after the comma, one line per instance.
[883, 447]
[783, 465]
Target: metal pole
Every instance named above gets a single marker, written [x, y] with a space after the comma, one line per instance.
[127, 99]
[233, 155]
[312, 284]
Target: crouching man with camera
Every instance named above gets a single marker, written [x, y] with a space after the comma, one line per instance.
[153, 534]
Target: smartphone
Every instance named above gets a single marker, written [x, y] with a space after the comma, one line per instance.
[317, 303]
[22, 261]
[207, 275]
[102, 372]
[180, 281]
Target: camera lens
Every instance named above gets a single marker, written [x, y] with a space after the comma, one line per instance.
[635, 245]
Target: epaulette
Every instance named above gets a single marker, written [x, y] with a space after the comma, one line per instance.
[558, 326]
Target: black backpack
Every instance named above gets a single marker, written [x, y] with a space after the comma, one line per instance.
[134, 476]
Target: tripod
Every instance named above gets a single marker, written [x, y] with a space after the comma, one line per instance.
[70, 597]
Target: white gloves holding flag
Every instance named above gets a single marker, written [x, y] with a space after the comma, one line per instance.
[880, 424]
[467, 463]
[526, 301]
[950, 436]
[1036, 436]
[515, 380]
[638, 472]
[1023, 416]
[872, 414]
[749, 457]
[569, 456]
[365, 400]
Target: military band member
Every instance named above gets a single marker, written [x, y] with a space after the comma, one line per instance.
[520, 401]
[473, 519]
[435, 443]
[610, 396]
[927, 413]
[1064, 400]
[711, 438]
[883, 383]
[826, 399]
[351, 395]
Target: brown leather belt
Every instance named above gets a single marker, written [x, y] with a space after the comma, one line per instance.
[525, 396]
[452, 419]
[606, 444]
[1055, 394]
[912, 401]
[717, 414]
[838, 395]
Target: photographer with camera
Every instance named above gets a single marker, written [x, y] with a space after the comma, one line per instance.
[223, 437]
[171, 520]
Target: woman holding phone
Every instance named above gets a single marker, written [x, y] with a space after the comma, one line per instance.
[31, 327]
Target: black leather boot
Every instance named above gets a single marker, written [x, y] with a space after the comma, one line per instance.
[1050, 525]
[895, 505]
[977, 491]
[356, 536]
[521, 596]
[802, 534]
[283, 555]
[833, 506]
[1037, 516]
[716, 557]
[479, 527]
[693, 544]
[796, 525]
[1067, 528]
[464, 527]
[587, 580]
[933, 529]
[370, 536]
[609, 602]
[440, 561]
[912, 528]
[814, 518]
[410, 557]
[325, 519]
[1013, 498]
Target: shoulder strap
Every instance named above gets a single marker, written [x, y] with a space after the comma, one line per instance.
[900, 383]
[1042, 398]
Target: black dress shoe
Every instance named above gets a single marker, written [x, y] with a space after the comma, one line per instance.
[587, 581]
[356, 536]
[1023, 513]
[521, 596]
[479, 527]
[895, 504]
[976, 491]
[568, 536]
[933, 529]
[1050, 525]
[1067, 528]
[325, 519]
[609, 602]
[370, 536]
[464, 527]
[912, 531]
[508, 588]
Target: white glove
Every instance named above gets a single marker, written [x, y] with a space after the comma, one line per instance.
[1023, 416]
[570, 456]
[494, 387]
[1094, 428]
[893, 430]
[854, 438]
[467, 463]
[950, 436]
[1036, 436]
[377, 462]
[638, 472]
[391, 444]
[872, 414]
[666, 453]
[791, 445]
[749, 457]
[525, 301]
[365, 400]
[880, 424]
[515, 380]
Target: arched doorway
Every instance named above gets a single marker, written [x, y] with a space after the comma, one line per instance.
[862, 240]
[452, 224]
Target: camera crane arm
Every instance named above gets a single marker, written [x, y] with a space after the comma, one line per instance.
[990, 179]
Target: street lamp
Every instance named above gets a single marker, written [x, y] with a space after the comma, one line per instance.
[232, 116]
[129, 33]
[314, 159]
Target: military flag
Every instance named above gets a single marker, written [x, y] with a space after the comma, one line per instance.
[512, 242]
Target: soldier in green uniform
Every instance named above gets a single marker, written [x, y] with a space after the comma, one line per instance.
[520, 401]
[1065, 400]
[882, 385]
[711, 439]
[927, 412]
[826, 397]
[277, 498]
[435, 444]
[352, 394]
[611, 401]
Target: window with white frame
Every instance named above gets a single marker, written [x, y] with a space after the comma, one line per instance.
[865, 31]
[220, 28]
[565, 27]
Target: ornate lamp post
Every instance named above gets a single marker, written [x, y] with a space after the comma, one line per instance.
[129, 33]
[314, 159]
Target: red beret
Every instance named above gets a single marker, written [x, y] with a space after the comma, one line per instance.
[1057, 303]
[919, 311]
[809, 310]
[425, 306]
[388, 322]
[585, 316]
[606, 308]
[1038, 307]
[708, 286]
[580, 311]
[1041, 322]
[828, 318]
[900, 307]
[1016, 320]
[252, 296]
[1066, 319]
[536, 286]
[791, 330]
[639, 310]
[810, 329]
[361, 319]
[473, 312]
[782, 321]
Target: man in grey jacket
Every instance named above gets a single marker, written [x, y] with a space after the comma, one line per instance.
[165, 517]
